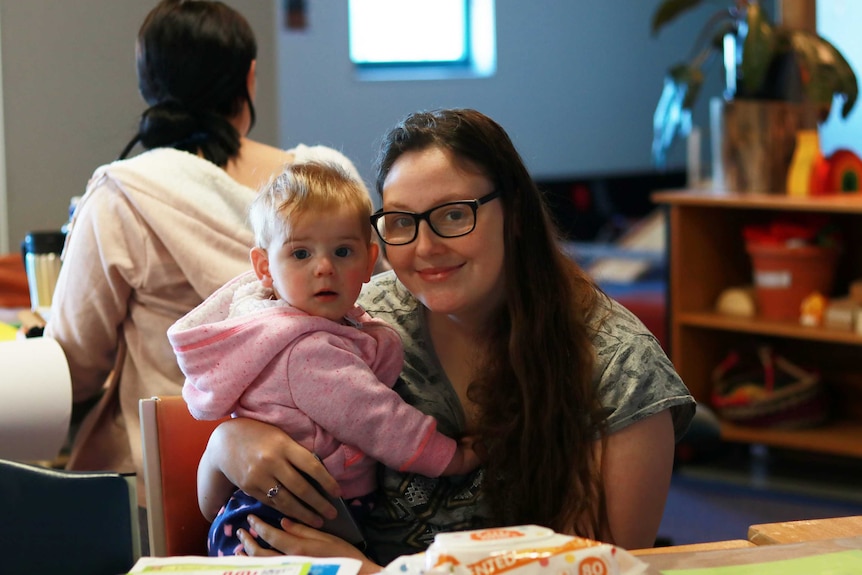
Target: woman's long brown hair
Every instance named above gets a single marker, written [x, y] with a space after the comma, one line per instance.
[539, 416]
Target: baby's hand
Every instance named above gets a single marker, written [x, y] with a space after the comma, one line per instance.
[466, 457]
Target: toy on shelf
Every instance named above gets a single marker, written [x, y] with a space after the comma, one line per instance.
[812, 308]
[841, 314]
[806, 156]
[838, 173]
[761, 388]
[737, 302]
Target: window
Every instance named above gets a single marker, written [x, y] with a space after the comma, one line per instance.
[413, 39]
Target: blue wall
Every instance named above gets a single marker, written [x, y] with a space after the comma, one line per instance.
[838, 21]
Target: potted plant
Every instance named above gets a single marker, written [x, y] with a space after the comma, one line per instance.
[762, 62]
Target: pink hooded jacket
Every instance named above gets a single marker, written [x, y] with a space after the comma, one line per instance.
[328, 385]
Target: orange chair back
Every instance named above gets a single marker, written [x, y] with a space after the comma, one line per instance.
[14, 289]
[173, 442]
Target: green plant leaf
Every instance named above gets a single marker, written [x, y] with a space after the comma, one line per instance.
[824, 70]
[845, 82]
[758, 50]
[816, 81]
[669, 10]
[688, 80]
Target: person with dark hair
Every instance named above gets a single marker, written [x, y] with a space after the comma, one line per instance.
[157, 233]
[196, 66]
[571, 400]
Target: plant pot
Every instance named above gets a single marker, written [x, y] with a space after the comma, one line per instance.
[784, 276]
[754, 142]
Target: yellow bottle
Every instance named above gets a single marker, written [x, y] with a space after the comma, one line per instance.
[802, 163]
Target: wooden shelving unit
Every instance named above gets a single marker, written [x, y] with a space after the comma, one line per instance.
[706, 255]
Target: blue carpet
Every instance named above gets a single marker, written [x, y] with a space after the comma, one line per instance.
[720, 501]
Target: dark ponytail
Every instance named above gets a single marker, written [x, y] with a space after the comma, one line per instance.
[172, 125]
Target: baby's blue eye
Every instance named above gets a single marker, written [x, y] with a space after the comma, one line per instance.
[301, 254]
[343, 252]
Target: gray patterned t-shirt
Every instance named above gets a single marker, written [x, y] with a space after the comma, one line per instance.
[635, 379]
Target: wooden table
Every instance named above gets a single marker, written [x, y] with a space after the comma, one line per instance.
[805, 530]
[711, 546]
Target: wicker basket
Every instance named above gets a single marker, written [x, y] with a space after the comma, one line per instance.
[764, 389]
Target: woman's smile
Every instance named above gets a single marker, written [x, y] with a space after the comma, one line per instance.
[438, 273]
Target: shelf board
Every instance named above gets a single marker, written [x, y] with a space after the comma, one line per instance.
[760, 326]
[841, 437]
[844, 203]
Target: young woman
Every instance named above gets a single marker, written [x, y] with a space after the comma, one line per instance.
[571, 399]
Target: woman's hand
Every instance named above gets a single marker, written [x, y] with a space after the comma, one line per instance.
[258, 457]
[297, 539]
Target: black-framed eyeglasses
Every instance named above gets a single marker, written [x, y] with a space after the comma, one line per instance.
[449, 220]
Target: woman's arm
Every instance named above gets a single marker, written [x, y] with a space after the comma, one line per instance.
[389, 431]
[255, 457]
[636, 465]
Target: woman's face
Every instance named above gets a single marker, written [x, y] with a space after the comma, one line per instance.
[460, 276]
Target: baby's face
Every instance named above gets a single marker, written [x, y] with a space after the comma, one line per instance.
[319, 263]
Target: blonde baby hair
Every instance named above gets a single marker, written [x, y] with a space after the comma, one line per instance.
[302, 188]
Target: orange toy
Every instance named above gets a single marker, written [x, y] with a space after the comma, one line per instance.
[819, 176]
[840, 173]
[811, 309]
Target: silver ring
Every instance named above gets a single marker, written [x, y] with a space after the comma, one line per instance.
[273, 491]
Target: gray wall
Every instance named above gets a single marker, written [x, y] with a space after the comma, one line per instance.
[576, 84]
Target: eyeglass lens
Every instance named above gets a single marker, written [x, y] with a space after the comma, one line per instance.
[448, 220]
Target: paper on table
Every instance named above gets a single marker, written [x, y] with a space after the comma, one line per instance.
[839, 563]
[280, 565]
[35, 398]
[821, 557]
